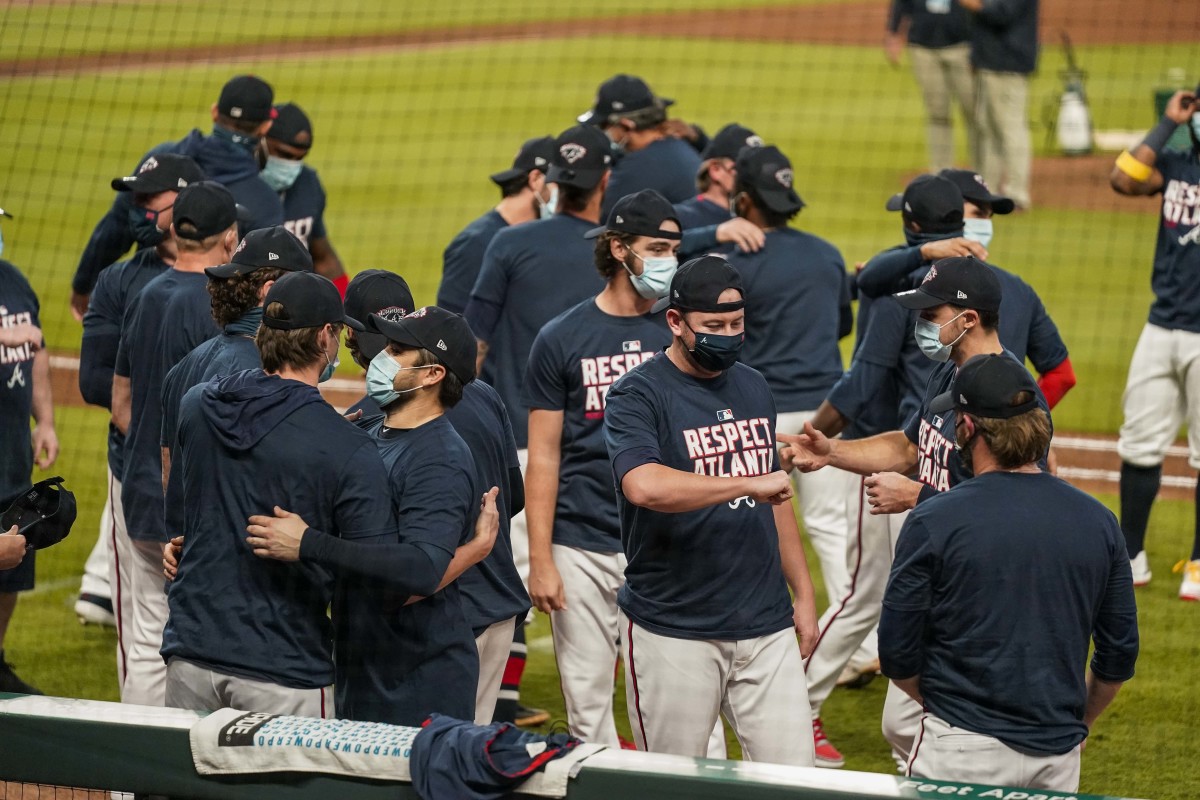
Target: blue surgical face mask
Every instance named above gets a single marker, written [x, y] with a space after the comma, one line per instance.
[978, 230]
[929, 339]
[655, 281]
[330, 367]
[281, 173]
[547, 208]
[381, 379]
[1196, 125]
[143, 224]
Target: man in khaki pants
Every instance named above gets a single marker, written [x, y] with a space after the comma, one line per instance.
[938, 34]
[1004, 52]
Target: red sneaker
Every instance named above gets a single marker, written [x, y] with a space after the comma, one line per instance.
[827, 755]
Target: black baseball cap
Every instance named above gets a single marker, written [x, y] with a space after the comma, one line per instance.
[443, 333]
[698, 284]
[933, 202]
[248, 98]
[581, 157]
[534, 154]
[309, 300]
[44, 513]
[986, 386]
[291, 126]
[377, 291]
[729, 141]
[275, 247]
[962, 281]
[626, 96]
[203, 209]
[770, 173]
[975, 188]
[167, 172]
[641, 214]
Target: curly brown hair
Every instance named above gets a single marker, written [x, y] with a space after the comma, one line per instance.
[233, 297]
[606, 263]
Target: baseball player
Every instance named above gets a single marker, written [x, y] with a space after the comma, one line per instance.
[1158, 396]
[710, 538]
[163, 323]
[634, 119]
[287, 142]
[237, 290]
[398, 661]
[243, 632]
[493, 595]
[576, 563]
[1006, 693]
[24, 394]
[154, 185]
[525, 196]
[241, 115]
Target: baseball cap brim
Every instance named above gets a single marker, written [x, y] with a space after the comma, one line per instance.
[580, 178]
[895, 202]
[507, 175]
[370, 344]
[783, 202]
[999, 204]
[918, 300]
[942, 403]
[223, 271]
[144, 185]
[592, 117]
[394, 331]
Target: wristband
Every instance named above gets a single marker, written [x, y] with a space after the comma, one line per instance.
[1133, 168]
[1157, 138]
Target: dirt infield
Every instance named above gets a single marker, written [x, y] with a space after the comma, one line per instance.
[1088, 22]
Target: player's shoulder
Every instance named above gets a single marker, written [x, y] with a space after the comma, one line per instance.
[13, 278]
[649, 379]
[1173, 163]
[565, 322]
[309, 178]
[746, 376]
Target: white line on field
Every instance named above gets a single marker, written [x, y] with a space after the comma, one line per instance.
[48, 587]
[1112, 476]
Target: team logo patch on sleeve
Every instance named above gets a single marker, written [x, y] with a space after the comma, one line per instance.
[631, 346]
[724, 415]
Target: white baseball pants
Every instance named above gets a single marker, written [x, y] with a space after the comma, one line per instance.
[1161, 395]
[198, 688]
[120, 574]
[494, 645]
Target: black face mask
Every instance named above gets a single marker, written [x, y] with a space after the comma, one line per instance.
[143, 224]
[964, 451]
[716, 352]
[916, 239]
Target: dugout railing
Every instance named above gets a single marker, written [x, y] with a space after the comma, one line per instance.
[86, 744]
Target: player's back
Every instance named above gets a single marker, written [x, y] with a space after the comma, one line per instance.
[668, 166]
[304, 207]
[463, 258]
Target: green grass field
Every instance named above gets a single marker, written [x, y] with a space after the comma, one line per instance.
[404, 140]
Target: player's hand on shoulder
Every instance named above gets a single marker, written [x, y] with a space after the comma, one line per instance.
[774, 488]
[808, 451]
[744, 234]
[276, 536]
[546, 587]
[1180, 107]
[891, 492]
[487, 526]
[950, 248]
[172, 550]
[12, 548]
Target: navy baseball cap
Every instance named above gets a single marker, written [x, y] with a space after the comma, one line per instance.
[377, 291]
[248, 98]
[44, 513]
[987, 386]
[534, 154]
[698, 284]
[443, 333]
[629, 97]
[581, 157]
[291, 126]
[770, 173]
[275, 247]
[308, 300]
[203, 209]
[167, 172]
[962, 281]
[975, 188]
[729, 141]
[641, 214]
[933, 202]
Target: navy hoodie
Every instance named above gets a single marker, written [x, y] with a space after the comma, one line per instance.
[221, 161]
[249, 442]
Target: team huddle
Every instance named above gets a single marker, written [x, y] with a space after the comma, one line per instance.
[631, 372]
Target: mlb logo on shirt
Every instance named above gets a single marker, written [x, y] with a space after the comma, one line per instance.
[632, 346]
[725, 415]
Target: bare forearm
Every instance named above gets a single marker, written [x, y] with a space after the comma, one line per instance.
[791, 553]
[166, 467]
[828, 420]
[43, 397]
[122, 403]
[1099, 695]
[673, 491]
[887, 452]
[541, 498]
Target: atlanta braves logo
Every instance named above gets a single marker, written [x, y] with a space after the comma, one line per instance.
[784, 176]
[737, 501]
[241, 246]
[18, 377]
[572, 152]
[420, 312]
[930, 275]
[1191, 237]
[149, 164]
[754, 141]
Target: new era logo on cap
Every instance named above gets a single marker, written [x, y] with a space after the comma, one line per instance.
[962, 295]
[962, 399]
[272, 256]
[724, 415]
[571, 153]
[619, 220]
[182, 183]
[441, 345]
[236, 112]
[784, 176]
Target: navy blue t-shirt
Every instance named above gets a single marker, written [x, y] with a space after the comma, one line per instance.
[224, 354]
[304, 207]
[714, 573]
[796, 294]
[576, 359]
[939, 465]
[668, 166]
[492, 590]
[1004, 36]
[531, 273]
[398, 663]
[869, 393]
[700, 212]
[931, 24]
[247, 443]
[996, 591]
[18, 306]
[1176, 277]
[463, 259]
[165, 322]
[115, 289]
